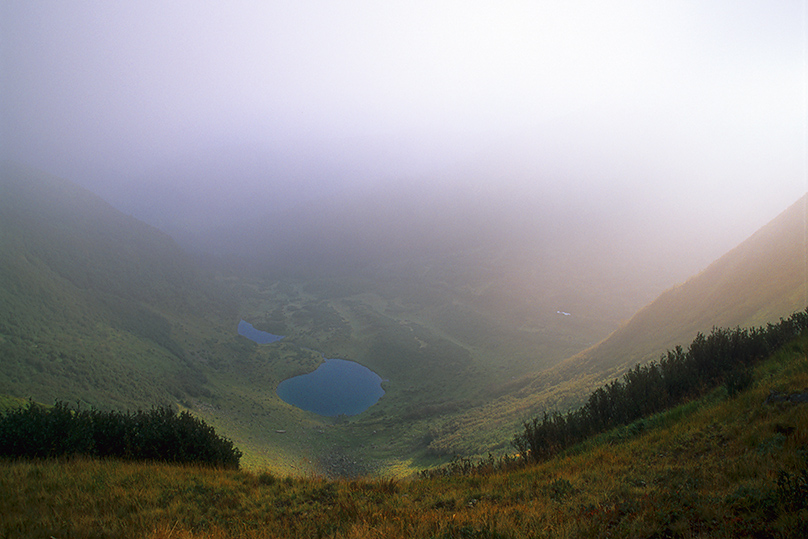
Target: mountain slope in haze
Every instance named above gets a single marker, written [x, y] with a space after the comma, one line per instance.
[761, 280]
[91, 300]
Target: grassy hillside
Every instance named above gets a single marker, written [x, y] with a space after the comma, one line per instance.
[87, 295]
[96, 306]
[760, 281]
[715, 467]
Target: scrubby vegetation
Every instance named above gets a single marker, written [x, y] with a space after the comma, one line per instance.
[35, 431]
[723, 357]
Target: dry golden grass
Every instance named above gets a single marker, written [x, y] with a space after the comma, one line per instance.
[708, 470]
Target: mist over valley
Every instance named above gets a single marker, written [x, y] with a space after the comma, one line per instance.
[468, 340]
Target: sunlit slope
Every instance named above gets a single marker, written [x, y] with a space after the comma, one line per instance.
[761, 280]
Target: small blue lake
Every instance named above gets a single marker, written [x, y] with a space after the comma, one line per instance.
[245, 329]
[336, 387]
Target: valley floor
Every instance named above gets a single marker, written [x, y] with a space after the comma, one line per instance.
[718, 467]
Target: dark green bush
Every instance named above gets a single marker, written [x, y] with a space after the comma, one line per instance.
[160, 434]
[724, 356]
[738, 380]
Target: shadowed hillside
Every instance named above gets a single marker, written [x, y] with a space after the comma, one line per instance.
[92, 300]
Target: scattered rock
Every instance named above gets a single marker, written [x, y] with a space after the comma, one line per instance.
[776, 396]
[799, 397]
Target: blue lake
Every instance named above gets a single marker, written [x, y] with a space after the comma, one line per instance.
[245, 329]
[336, 387]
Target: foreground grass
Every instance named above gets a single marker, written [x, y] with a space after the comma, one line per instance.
[715, 468]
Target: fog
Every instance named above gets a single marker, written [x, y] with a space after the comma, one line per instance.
[369, 128]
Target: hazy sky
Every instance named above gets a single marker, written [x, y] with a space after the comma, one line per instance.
[696, 109]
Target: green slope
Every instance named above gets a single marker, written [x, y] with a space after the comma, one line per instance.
[90, 299]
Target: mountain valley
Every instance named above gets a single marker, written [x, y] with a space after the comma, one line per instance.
[105, 311]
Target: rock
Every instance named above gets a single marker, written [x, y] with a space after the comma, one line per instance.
[776, 396]
[799, 397]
